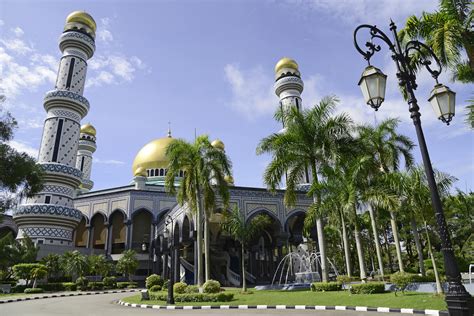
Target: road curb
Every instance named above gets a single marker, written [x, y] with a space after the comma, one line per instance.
[295, 307]
[13, 300]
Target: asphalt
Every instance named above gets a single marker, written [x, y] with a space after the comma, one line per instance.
[105, 304]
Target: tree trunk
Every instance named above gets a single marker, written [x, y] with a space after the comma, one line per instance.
[396, 238]
[207, 253]
[439, 288]
[347, 252]
[199, 237]
[387, 248]
[360, 251]
[419, 249]
[322, 249]
[244, 281]
[376, 240]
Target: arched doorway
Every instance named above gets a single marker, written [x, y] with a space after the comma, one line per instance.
[99, 231]
[186, 250]
[118, 233]
[294, 227]
[263, 252]
[141, 229]
[81, 234]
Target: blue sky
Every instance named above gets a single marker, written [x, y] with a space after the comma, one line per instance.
[208, 65]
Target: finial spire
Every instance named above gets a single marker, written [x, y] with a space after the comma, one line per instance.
[169, 129]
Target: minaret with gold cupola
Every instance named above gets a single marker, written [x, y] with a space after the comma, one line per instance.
[288, 87]
[87, 147]
[49, 217]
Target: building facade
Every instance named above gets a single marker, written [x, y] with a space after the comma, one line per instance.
[66, 215]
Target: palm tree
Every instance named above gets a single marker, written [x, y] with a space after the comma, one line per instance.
[38, 272]
[313, 137]
[128, 263]
[52, 263]
[244, 232]
[74, 264]
[387, 147]
[205, 168]
[447, 31]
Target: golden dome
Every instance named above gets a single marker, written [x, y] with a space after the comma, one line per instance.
[140, 172]
[152, 155]
[286, 62]
[229, 180]
[218, 144]
[88, 129]
[82, 17]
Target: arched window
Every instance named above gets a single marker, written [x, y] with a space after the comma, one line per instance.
[148, 172]
[152, 172]
[157, 172]
[162, 172]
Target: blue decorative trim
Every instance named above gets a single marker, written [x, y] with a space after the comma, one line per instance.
[54, 167]
[66, 94]
[47, 232]
[47, 209]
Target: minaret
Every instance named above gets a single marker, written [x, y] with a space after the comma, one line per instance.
[87, 147]
[49, 216]
[288, 87]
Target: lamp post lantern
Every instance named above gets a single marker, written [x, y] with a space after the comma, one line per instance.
[442, 99]
[169, 237]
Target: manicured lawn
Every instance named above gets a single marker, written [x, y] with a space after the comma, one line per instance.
[409, 300]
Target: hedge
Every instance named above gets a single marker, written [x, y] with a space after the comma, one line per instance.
[326, 286]
[18, 289]
[110, 282]
[155, 288]
[179, 287]
[194, 297]
[211, 286]
[94, 286]
[35, 290]
[129, 285]
[368, 288]
[152, 280]
[192, 289]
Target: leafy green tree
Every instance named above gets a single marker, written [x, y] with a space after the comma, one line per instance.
[29, 271]
[128, 263]
[244, 232]
[312, 138]
[387, 147]
[53, 263]
[19, 174]
[74, 264]
[205, 168]
[38, 272]
[13, 252]
[98, 265]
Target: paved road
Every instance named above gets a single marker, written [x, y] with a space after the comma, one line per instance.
[104, 305]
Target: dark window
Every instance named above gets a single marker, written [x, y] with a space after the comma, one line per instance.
[297, 103]
[47, 199]
[152, 172]
[148, 173]
[82, 163]
[40, 242]
[57, 141]
[69, 75]
[162, 172]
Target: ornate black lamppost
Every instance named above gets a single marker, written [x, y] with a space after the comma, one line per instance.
[373, 84]
[169, 237]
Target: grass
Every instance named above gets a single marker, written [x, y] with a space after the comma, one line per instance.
[408, 300]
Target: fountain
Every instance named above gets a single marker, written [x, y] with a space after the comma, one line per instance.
[297, 270]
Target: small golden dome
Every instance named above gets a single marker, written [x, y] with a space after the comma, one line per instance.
[229, 180]
[286, 62]
[218, 144]
[88, 129]
[140, 172]
[152, 155]
[82, 17]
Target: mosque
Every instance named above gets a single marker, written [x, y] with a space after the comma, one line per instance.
[67, 215]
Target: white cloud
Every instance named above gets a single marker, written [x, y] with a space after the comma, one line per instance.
[24, 147]
[103, 32]
[108, 161]
[252, 91]
[18, 31]
[2, 23]
[30, 123]
[113, 69]
[17, 46]
[366, 11]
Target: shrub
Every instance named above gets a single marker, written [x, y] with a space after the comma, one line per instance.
[326, 286]
[110, 282]
[165, 284]
[96, 286]
[152, 280]
[18, 289]
[81, 283]
[211, 286]
[53, 287]
[192, 289]
[402, 279]
[28, 271]
[35, 290]
[129, 285]
[155, 288]
[194, 297]
[368, 288]
[179, 287]
[343, 279]
[69, 286]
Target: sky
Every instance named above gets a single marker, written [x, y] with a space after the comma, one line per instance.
[208, 67]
